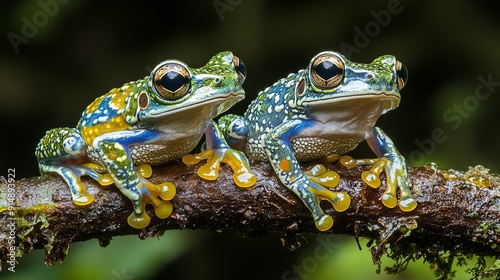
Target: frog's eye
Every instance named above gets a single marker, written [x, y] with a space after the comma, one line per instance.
[172, 80]
[402, 73]
[240, 69]
[327, 71]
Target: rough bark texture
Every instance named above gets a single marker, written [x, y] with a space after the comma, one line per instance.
[452, 215]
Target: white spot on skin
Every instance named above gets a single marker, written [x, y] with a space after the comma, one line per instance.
[103, 119]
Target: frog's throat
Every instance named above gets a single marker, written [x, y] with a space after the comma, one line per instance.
[226, 100]
[351, 115]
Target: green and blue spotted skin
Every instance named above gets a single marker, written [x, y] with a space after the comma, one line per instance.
[148, 122]
[325, 111]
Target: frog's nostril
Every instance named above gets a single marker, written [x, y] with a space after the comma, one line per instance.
[369, 76]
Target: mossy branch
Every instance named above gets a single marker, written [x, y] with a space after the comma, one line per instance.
[453, 213]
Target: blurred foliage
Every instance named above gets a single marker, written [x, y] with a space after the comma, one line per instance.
[82, 49]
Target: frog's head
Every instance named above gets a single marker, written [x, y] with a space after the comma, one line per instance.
[331, 83]
[175, 94]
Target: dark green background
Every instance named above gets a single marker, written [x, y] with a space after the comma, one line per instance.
[88, 47]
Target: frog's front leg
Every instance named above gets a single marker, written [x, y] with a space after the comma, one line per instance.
[393, 163]
[277, 146]
[62, 151]
[217, 151]
[131, 181]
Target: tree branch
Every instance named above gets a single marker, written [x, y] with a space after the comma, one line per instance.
[452, 215]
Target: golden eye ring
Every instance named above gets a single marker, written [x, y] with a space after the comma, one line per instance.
[172, 80]
[240, 68]
[326, 70]
[402, 74]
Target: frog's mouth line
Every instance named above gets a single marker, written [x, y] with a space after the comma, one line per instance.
[231, 97]
[391, 96]
[383, 100]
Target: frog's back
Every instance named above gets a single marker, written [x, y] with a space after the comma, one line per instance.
[112, 111]
[267, 111]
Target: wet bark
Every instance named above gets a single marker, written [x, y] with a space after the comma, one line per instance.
[453, 214]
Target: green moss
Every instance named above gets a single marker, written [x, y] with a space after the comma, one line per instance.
[26, 224]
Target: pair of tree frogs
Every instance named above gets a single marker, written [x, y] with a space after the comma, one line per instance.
[323, 111]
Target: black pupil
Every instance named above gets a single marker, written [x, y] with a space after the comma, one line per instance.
[173, 81]
[403, 73]
[241, 68]
[328, 70]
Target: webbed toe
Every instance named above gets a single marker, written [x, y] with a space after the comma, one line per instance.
[242, 174]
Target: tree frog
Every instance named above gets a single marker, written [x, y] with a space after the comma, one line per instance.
[149, 122]
[325, 111]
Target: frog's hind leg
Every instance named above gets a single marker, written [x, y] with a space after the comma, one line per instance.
[132, 181]
[71, 175]
[55, 152]
[390, 161]
[219, 151]
[310, 186]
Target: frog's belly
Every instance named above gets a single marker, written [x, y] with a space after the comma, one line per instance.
[156, 154]
[307, 149]
[153, 153]
[310, 148]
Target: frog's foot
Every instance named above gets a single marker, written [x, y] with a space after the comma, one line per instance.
[138, 222]
[158, 195]
[79, 193]
[242, 174]
[139, 219]
[321, 179]
[72, 173]
[320, 175]
[339, 200]
[165, 191]
[396, 177]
